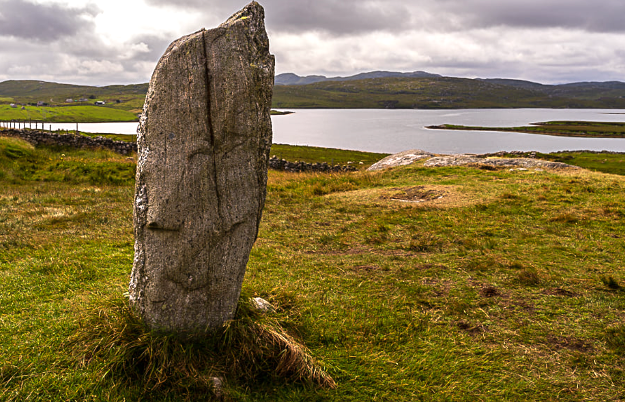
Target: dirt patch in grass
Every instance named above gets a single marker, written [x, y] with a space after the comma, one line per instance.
[572, 343]
[490, 291]
[365, 268]
[350, 251]
[559, 292]
[470, 328]
[439, 196]
[414, 194]
[439, 287]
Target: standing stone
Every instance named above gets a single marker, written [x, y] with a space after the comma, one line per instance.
[203, 145]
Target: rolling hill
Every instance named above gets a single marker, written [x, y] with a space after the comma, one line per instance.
[294, 79]
[447, 93]
[377, 89]
[43, 90]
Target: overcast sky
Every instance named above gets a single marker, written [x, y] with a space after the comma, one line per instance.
[119, 41]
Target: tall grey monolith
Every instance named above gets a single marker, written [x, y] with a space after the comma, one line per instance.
[203, 145]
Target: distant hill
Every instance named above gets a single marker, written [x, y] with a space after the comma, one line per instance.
[294, 79]
[582, 90]
[514, 83]
[29, 91]
[437, 92]
[376, 89]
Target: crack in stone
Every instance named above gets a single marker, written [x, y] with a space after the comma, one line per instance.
[211, 129]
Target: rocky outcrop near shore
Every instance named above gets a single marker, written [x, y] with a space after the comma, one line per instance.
[400, 159]
[487, 161]
[469, 160]
[38, 138]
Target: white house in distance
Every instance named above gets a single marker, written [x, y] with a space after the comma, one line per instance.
[69, 100]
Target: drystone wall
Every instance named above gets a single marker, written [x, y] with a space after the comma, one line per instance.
[281, 164]
[37, 138]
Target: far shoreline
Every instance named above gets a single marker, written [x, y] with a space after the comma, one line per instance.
[583, 129]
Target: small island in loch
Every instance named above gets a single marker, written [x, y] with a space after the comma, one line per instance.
[557, 128]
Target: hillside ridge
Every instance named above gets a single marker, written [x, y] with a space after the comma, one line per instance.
[374, 89]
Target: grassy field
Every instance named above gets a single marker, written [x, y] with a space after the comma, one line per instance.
[596, 161]
[62, 114]
[409, 284]
[557, 128]
[328, 155]
[30, 91]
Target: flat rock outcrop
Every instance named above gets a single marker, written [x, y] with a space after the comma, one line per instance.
[203, 151]
[463, 160]
[486, 160]
[400, 159]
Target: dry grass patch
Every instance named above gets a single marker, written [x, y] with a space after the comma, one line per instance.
[437, 196]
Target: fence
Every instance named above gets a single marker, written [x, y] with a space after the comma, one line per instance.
[23, 124]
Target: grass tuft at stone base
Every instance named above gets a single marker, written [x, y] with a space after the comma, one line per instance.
[112, 340]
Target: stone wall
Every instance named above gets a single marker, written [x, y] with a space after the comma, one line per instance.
[36, 138]
[281, 164]
[532, 154]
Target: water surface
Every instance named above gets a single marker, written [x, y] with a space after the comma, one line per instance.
[399, 130]
[379, 130]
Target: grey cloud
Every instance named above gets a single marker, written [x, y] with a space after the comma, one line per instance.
[486, 38]
[46, 23]
[336, 17]
[156, 46]
[82, 59]
[341, 17]
[140, 48]
[183, 3]
[594, 16]
[331, 16]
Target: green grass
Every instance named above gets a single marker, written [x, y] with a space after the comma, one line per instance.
[21, 163]
[600, 162]
[328, 155]
[59, 114]
[509, 287]
[114, 137]
[596, 161]
[279, 113]
[557, 128]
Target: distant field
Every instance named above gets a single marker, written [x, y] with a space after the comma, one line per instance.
[130, 103]
[60, 114]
